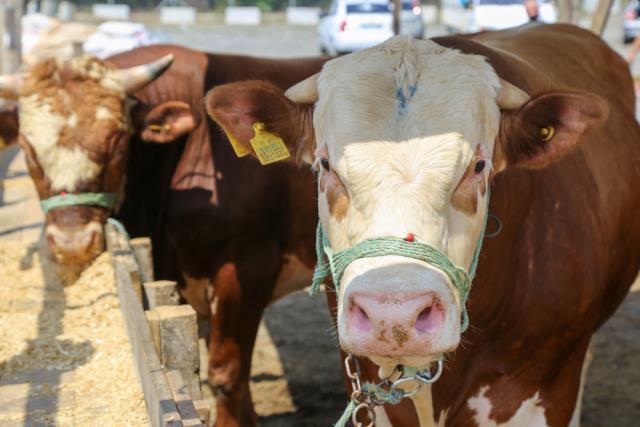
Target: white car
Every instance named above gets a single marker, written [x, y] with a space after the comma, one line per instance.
[501, 14]
[354, 24]
[477, 15]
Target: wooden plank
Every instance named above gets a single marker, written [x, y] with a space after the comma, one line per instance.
[157, 393]
[154, 327]
[179, 344]
[601, 16]
[142, 252]
[186, 408]
[161, 292]
[121, 251]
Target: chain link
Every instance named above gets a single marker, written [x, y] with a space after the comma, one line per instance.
[365, 401]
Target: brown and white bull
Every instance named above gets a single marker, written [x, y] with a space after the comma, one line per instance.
[408, 138]
[234, 234]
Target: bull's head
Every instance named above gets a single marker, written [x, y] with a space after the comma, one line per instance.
[407, 136]
[75, 126]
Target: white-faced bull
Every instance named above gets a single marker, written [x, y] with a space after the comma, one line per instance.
[408, 138]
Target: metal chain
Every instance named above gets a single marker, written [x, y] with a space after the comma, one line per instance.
[367, 401]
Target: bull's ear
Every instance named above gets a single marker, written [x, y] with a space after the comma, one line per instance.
[546, 128]
[166, 122]
[239, 107]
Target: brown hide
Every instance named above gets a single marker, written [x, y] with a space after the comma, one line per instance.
[215, 218]
[570, 244]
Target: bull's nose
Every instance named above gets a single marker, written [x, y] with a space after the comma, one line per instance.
[74, 247]
[387, 324]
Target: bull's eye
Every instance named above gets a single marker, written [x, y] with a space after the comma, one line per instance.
[325, 164]
[480, 164]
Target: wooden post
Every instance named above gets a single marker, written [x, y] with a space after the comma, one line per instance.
[565, 11]
[203, 407]
[179, 344]
[601, 16]
[157, 393]
[142, 251]
[161, 292]
[397, 8]
[188, 412]
[11, 32]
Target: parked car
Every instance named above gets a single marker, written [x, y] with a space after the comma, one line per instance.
[478, 15]
[411, 22]
[631, 21]
[351, 25]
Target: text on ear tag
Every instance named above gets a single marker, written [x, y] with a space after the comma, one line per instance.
[547, 132]
[269, 147]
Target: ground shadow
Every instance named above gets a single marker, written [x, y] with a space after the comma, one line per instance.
[45, 360]
[301, 330]
[612, 393]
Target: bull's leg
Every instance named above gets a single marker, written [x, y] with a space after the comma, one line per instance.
[236, 312]
[575, 419]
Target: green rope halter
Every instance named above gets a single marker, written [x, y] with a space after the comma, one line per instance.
[105, 200]
[336, 263]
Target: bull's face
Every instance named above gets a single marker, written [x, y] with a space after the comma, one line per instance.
[407, 137]
[75, 126]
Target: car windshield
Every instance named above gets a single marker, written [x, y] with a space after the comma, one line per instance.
[367, 8]
[500, 2]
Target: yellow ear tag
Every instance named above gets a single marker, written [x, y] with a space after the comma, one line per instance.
[547, 132]
[238, 148]
[269, 147]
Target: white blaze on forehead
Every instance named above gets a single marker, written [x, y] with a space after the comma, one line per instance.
[530, 412]
[65, 167]
[401, 123]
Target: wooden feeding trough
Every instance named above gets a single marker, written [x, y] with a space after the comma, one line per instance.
[164, 339]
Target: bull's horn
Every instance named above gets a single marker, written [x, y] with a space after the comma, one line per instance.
[135, 78]
[10, 85]
[510, 97]
[304, 92]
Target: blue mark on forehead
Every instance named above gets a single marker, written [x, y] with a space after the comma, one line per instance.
[403, 98]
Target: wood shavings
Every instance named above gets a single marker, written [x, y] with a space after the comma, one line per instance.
[65, 354]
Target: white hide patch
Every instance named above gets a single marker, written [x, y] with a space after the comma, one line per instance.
[103, 114]
[530, 413]
[66, 168]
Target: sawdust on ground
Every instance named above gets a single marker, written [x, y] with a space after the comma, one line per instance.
[65, 358]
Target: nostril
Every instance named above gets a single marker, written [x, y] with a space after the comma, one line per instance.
[429, 319]
[359, 319]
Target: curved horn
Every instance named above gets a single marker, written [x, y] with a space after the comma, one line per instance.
[510, 97]
[10, 85]
[304, 92]
[135, 78]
